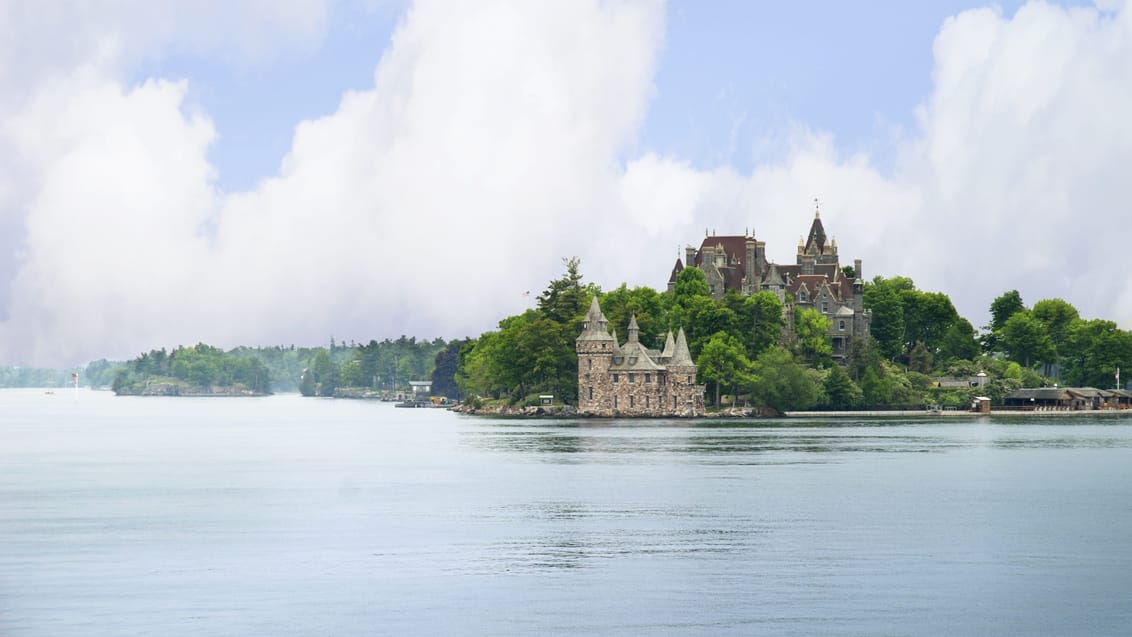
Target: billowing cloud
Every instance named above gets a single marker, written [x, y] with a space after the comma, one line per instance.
[485, 150]
[492, 142]
[1013, 180]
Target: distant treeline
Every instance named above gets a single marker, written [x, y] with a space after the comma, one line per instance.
[387, 365]
[37, 377]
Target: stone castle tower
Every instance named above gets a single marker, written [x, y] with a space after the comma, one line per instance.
[630, 379]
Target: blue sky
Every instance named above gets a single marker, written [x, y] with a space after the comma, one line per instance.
[731, 78]
[244, 172]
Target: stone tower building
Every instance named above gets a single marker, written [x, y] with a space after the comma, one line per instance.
[630, 379]
[815, 281]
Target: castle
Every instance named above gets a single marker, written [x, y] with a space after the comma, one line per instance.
[816, 281]
[630, 379]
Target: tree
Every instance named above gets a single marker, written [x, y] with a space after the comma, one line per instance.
[1094, 350]
[325, 373]
[840, 390]
[781, 383]
[565, 297]
[1057, 316]
[762, 321]
[444, 370]
[1001, 309]
[927, 317]
[704, 316]
[883, 299]
[723, 362]
[645, 303]
[811, 333]
[960, 342]
[691, 282]
[1025, 340]
[920, 358]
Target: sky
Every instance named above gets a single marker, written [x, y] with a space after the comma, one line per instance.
[276, 172]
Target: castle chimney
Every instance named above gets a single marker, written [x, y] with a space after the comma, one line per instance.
[857, 268]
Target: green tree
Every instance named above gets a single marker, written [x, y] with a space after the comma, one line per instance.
[1057, 316]
[1002, 308]
[811, 333]
[565, 297]
[882, 297]
[960, 342]
[781, 383]
[325, 373]
[723, 362]
[445, 366]
[920, 359]
[705, 317]
[645, 303]
[1094, 350]
[1025, 340]
[840, 390]
[759, 320]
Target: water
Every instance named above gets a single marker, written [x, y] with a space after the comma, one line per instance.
[291, 516]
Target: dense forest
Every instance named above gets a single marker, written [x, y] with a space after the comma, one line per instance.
[198, 369]
[745, 356]
[383, 366]
[740, 344]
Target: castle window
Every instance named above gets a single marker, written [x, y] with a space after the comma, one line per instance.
[689, 380]
[616, 378]
[674, 402]
[632, 360]
[591, 393]
[590, 362]
[648, 378]
[841, 325]
[615, 402]
[632, 377]
[617, 360]
[824, 307]
[630, 401]
[646, 402]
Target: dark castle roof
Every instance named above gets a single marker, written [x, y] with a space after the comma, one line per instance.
[817, 235]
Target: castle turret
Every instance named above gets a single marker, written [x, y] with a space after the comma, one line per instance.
[595, 347]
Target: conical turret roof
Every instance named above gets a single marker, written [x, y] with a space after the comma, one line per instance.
[681, 356]
[816, 238]
[669, 347]
[596, 326]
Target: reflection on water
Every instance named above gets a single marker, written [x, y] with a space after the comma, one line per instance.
[286, 516]
[641, 438]
[580, 535]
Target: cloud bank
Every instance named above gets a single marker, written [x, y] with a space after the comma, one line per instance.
[494, 140]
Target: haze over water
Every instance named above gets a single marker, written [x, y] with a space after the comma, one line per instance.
[291, 516]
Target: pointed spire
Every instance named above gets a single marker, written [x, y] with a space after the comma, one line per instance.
[595, 327]
[681, 356]
[634, 331]
[669, 346]
[817, 235]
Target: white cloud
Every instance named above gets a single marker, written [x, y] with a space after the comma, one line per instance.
[490, 145]
[1015, 178]
[485, 151]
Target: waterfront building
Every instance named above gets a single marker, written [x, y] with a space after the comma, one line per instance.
[631, 380]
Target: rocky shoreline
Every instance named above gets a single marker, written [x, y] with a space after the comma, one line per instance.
[188, 391]
[570, 411]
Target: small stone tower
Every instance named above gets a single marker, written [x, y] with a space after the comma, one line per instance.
[595, 347]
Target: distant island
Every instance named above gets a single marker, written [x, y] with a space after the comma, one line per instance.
[201, 370]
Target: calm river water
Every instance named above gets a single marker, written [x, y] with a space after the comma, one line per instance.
[292, 516]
